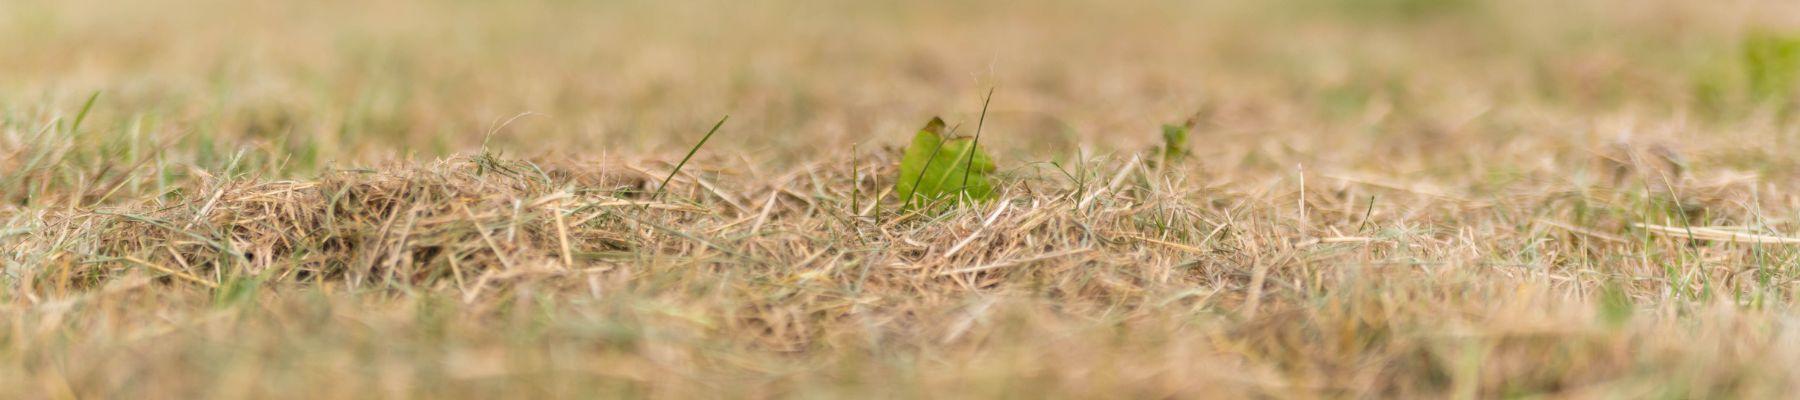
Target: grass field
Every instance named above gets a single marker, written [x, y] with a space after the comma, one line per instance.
[466, 199]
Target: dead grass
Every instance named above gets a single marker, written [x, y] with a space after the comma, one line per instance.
[333, 200]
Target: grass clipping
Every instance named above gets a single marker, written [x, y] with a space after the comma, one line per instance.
[936, 168]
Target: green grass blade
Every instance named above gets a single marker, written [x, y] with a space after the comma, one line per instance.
[689, 156]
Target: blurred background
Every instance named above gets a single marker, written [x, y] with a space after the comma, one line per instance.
[353, 82]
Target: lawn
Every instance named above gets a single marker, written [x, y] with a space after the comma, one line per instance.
[1155, 199]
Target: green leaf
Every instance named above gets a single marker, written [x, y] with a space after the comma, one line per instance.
[1175, 143]
[936, 167]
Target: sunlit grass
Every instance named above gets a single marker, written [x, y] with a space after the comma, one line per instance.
[1308, 198]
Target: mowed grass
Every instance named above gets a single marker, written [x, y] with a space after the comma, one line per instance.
[464, 199]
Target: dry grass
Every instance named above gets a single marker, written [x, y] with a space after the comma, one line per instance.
[1395, 198]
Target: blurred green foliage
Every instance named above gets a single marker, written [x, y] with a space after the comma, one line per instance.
[1772, 64]
[1763, 73]
[1400, 9]
[1175, 143]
